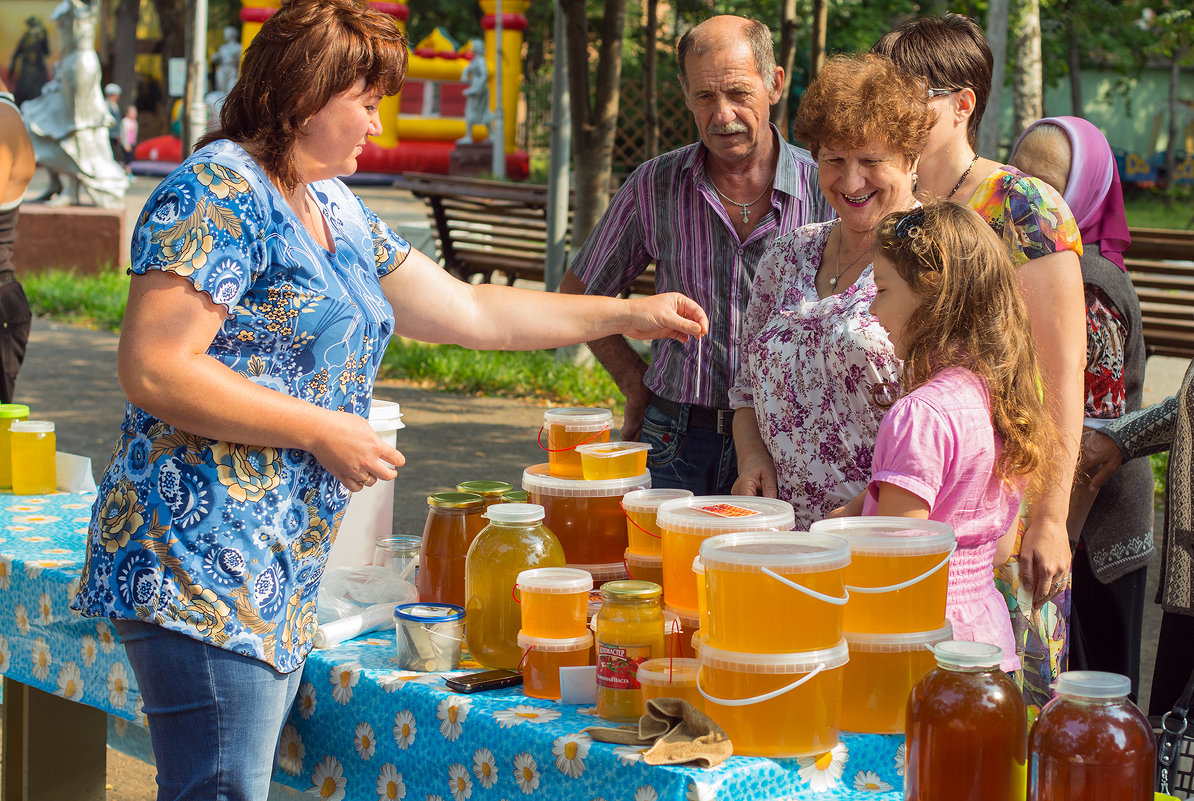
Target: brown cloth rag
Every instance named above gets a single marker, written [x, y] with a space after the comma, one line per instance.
[677, 732]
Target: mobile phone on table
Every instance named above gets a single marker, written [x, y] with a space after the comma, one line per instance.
[487, 680]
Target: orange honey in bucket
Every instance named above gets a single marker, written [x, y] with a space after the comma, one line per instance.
[586, 516]
[798, 574]
[641, 507]
[567, 428]
[601, 461]
[543, 658]
[645, 567]
[671, 678]
[686, 522]
[882, 671]
[898, 572]
[554, 602]
[35, 471]
[800, 721]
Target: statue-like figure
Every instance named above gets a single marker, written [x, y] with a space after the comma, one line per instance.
[476, 108]
[28, 70]
[226, 61]
[69, 121]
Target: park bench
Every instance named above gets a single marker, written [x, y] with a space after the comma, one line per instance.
[485, 228]
[1161, 265]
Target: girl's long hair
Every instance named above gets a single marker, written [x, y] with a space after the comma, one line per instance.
[973, 316]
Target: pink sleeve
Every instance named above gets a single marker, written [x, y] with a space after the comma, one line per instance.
[914, 447]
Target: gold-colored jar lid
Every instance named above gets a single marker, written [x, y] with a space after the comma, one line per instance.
[630, 590]
[456, 500]
[486, 489]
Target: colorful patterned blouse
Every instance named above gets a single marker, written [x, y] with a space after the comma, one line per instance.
[221, 541]
[1027, 213]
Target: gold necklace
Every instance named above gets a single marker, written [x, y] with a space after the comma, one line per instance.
[744, 206]
[838, 258]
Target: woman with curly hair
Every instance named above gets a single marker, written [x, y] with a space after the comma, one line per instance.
[817, 369]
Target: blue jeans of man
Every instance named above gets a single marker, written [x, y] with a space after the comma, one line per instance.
[685, 456]
[215, 716]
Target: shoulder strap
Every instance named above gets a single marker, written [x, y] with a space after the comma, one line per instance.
[1173, 726]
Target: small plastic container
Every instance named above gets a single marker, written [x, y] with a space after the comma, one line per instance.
[545, 656]
[774, 705]
[9, 414]
[491, 491]
[645, 566]
[567, 428]
[601, 461]
[554, 602]
[34, 469]
[585, 515]
[400, 554]
[429, 636]
[640, 507]
[686, 522]
[671, 678]
[882, 671]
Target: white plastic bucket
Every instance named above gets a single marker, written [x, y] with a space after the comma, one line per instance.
[370, 512]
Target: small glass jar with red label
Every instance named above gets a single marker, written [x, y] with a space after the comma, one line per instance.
[629, 632]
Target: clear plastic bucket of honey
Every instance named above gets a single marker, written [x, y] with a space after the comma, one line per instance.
[601, 461]
[640, 507]
[543, 657]
[679, 627]
[564, 429]
[554, 601]
[686, 522]
[586, 516]
[645, 566]
[751, 577]
[899, 569]
[882, 671]
[774, 705]
[670, 678]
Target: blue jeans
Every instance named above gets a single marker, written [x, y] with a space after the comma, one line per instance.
[683, 456]
[215, 716]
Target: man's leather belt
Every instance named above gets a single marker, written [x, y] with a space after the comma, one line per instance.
[719, 420]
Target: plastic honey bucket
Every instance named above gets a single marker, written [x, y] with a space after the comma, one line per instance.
[554, 601]
[698, 570]
[882, 671]
[898, 572]
[645, 566]
[564, 429]
[670, 678]
[640, 507]
[774, 705]
[680, 626]
[686, 522]
[601, 461]
[586, 516]
[614, 571]
[753, 576]
[543, 658]
[370, 512]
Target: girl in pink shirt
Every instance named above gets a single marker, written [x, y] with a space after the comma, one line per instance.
[970, 435]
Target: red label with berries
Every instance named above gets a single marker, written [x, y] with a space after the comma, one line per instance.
[617, 665]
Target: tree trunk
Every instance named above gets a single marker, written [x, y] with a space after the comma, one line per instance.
[787, 60]
[1027, 104]
[816, 58]
[124, 61]
[1074, 55]
[594, 122]
[650, 94]
[988, 134]
[172, 16]
[1175, 68]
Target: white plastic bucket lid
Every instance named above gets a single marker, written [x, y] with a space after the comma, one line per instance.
[1092, 684]
[578, 419]
[788, 551]
[664, 671]
[896, 643]
[536, 479]
[385, 415]
[514, 513]
[644, 559]
[555, 645]
[648, 500]
[555, 580]
[889, 536]
[719, 514]
[799, 662]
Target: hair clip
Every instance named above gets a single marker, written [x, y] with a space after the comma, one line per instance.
[910, 225]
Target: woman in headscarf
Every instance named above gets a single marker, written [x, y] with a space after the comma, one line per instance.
[1113, 526]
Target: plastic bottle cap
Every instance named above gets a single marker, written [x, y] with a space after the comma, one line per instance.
[32, 426]
[455, 500]
[10, 410]
[514, 513]
[1092, 684]
[964, 654]
[630, 590]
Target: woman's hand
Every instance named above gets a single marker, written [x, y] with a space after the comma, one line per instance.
[756, 468]
[350, 450]
[1099, 457]
[669, 315]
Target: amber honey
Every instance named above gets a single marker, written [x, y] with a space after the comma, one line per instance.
[453, 522]
[554, 602]
[34, 469]
[644, 567]
[629, 632]
[586, 516]
[543, 658]
[881, 673]
[640, 508]
[567, 428]
[602, 461]
[671, 678]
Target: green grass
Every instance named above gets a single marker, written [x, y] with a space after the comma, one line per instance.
[1153, 209]
[94, 301]
[1160, 465]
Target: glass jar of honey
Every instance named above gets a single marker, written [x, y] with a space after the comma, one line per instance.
[629, 632]
[514, 541]
[453, 522]
[34, 469]
[491, 491]
[967, 730]
[9, 414]
[1091, 743]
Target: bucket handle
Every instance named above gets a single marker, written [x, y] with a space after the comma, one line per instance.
[820, 596]
[539, 439]
[914, 580]
[636, 525]
[758, 699]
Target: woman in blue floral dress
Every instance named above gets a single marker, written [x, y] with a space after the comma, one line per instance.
[262, 299]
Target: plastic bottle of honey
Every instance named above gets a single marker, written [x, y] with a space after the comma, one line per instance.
[453, 522]
[629, 632]
[967, 732]
[515, 540]
[1091, 743]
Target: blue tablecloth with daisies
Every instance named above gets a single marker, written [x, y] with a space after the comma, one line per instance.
[362, 729]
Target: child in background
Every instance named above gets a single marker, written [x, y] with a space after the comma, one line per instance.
[128, 137]
[970, 434]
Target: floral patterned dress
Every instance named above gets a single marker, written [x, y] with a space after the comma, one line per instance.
[1034, 221]
[812, 369]
[221, 541]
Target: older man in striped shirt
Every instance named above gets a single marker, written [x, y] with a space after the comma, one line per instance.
[704, 214]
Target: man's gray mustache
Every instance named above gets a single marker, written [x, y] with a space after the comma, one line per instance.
[729, 128]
